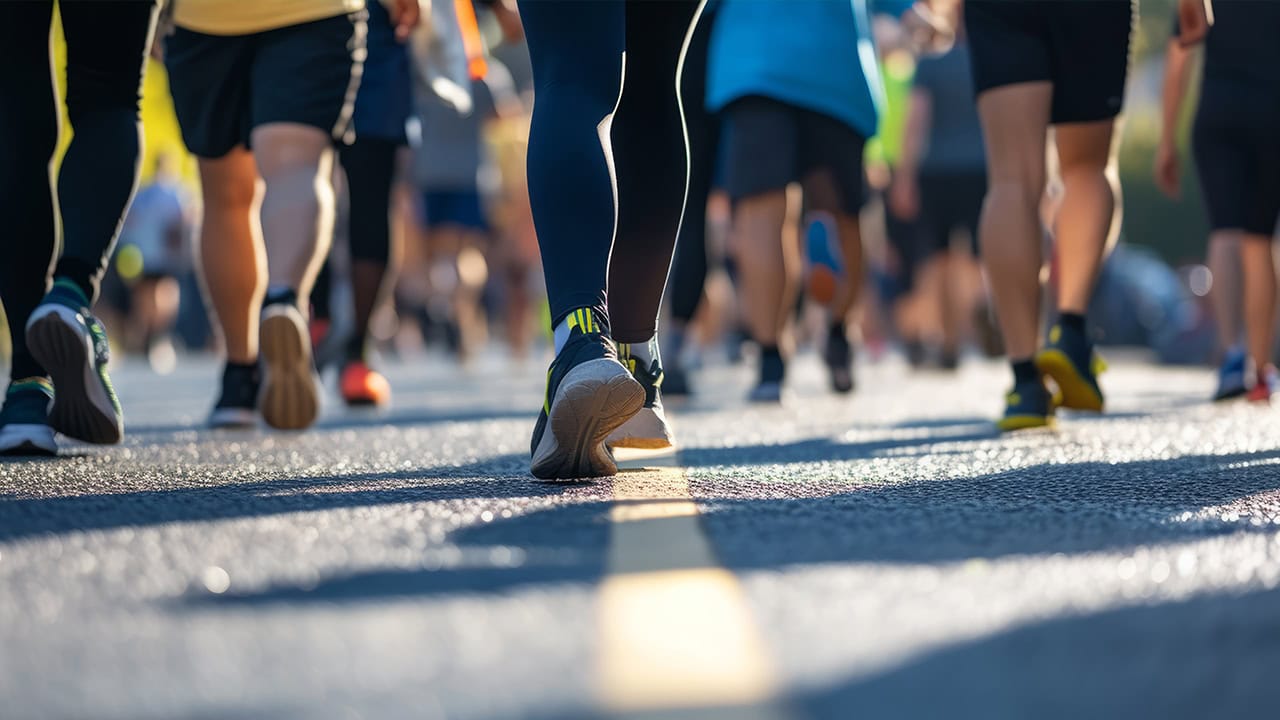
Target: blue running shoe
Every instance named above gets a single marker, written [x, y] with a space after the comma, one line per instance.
[1028, 405]
[71, 345]
[1231, 376]
[824, 262]
[589, 395]
[24, 419]
[1071, 362]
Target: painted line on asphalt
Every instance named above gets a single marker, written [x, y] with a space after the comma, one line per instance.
[676, 632]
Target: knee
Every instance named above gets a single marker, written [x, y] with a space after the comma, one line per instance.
[227, 191]
[91, 91]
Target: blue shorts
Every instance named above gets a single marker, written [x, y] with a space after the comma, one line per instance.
[385, 103]
[460, 208]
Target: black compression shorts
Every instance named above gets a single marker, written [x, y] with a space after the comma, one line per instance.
[770, 144]
[224, 86]
[1238, 162]
[1080, 46]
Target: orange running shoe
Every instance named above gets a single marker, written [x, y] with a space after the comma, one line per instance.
[362, 386]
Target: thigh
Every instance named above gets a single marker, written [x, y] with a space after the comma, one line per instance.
[107, 46]
[1008, 43]
[1090, 46]
[1224, 165]
[761, 146]
[309, 74]
[831, 163]
[209, 79]
[27, 99]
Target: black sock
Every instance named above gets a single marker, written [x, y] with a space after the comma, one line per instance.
[281, 295]
[1072, 321]
[837, 331]
[772, 367]
[1024, 371]
[79, 272]
[354, 351]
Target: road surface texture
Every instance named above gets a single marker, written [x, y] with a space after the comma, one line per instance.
[881, 555]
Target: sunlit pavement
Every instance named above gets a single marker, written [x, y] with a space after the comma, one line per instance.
[884, 555]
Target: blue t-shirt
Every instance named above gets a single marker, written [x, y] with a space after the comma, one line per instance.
[815, 54]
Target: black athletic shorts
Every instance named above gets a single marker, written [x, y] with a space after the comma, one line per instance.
[1238, 161]
[224, 86]
[770, 144]
[1081, 46]
[950, 202]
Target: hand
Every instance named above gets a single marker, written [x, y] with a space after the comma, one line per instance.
[405, 14]
[1168, 171]
[1194, 19]
[904, 196]
[927, 31]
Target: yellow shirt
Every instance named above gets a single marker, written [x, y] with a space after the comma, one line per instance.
[243, 17]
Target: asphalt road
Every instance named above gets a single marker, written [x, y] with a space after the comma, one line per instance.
[885, 555]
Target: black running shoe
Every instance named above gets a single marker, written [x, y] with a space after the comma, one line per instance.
[773, 371]
[24, 419]
[1070, 361]
[238, 405]
[647, 429]
[1029, 405]
[589, 395]
[71, 345]
[839, 358]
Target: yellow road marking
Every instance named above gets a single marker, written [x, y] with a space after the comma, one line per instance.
[676, 630]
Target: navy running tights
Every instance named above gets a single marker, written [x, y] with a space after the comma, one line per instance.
[577, 49]
[107, 45]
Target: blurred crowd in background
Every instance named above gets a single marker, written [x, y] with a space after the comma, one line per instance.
[470, 280]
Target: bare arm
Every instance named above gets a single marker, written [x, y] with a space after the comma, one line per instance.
[904, 195]
[1177, 69]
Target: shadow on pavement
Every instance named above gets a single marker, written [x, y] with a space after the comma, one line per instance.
[501, 477]
[1211, 656]
[357, 419]
[1040, 510]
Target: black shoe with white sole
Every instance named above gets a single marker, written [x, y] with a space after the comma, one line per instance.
[237, 406]
[647, 429]
[24, 419]
[589, 395]
[71, 345]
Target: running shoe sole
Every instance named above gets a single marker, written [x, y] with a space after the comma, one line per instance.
[1014, 423]
[1074, 391]
[290, 398]
[82, 408]
[646, 430]
[594, 399]
[26, 440]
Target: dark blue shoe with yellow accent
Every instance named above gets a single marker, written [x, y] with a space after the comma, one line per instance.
[1070, 361]
[1029, 405]
[24, 419]
[647, 429]
[589, 395]
[71, 345]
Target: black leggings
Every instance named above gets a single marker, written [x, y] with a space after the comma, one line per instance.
[107, 44]
[689, 270]
[577, 47]
[370, 165]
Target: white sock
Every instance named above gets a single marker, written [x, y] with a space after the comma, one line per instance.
[583, 318]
